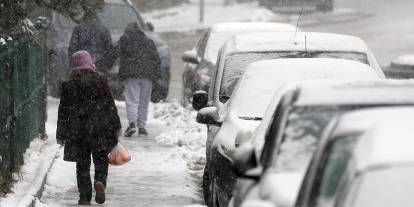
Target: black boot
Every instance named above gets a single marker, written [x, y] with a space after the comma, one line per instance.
[142, 132]
[130, 130]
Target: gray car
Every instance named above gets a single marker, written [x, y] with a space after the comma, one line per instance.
[201, 61]
[115, 16]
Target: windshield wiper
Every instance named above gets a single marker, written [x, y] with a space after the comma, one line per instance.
[251, 118]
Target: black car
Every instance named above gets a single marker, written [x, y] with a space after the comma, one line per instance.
[295, 128]
[115, 16]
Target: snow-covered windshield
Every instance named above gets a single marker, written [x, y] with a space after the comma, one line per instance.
[236, 63]
[215, 42]
[304, 127]
[384, 188]
[114, 16]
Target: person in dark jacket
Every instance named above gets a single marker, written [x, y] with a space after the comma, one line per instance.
[140, 67]
[88, 123]
[91, 35]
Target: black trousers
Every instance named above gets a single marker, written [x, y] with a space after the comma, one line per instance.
[83, 171]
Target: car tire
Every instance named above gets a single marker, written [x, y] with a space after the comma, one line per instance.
[207, 187]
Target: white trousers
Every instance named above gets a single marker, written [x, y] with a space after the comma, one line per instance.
[137, 94]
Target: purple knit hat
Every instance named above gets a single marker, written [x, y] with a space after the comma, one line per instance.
[82, 60]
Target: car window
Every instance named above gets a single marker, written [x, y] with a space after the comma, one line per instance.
[201, 45]
[117, 16]
[299, 140]
[113, 16]
[215, 42]
[236, 63]
[332, 166]
[384, 187]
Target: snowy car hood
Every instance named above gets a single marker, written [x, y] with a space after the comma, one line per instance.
[281, 188]
[226, 137]
[388, 143]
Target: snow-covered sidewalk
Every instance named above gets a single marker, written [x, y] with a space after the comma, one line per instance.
[163, 170]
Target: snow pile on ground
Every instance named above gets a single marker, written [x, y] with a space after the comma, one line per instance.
[183, 132]
[186, 16]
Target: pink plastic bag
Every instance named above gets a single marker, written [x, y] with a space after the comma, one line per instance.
[119, 155]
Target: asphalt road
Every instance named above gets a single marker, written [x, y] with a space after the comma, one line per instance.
[385, 25]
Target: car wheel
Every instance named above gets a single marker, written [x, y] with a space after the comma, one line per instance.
[207, 187]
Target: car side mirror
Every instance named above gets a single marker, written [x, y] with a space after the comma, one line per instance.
[191, 57]
[245, 161]
[200, 100]
[209, 116]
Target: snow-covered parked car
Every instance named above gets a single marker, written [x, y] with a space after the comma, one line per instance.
[115, 15]
[242, 50]
[335, 149]
[246, 108]
[202, 59]
[374, 170]
[294, 122]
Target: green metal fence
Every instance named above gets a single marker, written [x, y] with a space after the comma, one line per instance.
[23, 67]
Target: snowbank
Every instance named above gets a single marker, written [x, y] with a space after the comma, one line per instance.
[185, 134]
[186, 17]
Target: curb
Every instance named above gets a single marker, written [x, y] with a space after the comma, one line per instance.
[38, 185]
[44, 179]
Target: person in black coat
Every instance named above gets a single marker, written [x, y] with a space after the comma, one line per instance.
[88, 123]
[91, 35]
[140, 68]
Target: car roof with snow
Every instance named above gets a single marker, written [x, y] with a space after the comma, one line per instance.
[225, 31]
[389, 143]
[376, 92]
[262, 79]
[251, 27]
[361, 120]
[301, 41]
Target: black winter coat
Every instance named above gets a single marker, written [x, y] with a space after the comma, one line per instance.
[87, 114]
[139, 57]
[91, 35]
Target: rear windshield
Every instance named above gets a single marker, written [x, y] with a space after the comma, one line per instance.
[236, 63]
[114, 16]
[117, 16]
[303, 129]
